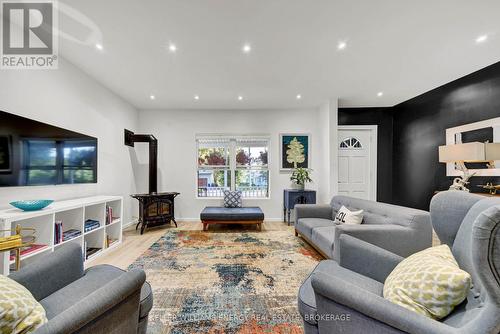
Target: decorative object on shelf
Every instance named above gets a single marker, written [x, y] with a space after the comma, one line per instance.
[294, 151]
[490, 187]
[300, 177]
[32, 205]
[17, 242]
[295, 196]
[460, 154]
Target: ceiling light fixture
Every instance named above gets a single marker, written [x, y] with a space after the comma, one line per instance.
[196, 97]
[298, 97]
[152, 97]
[240, 98]
[247, 48]
[380, 94]
[341, 45]
[99, 47]
[481, 39]
[172, 47]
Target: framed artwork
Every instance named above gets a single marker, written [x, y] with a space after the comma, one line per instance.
[295, 151]
[5, 154]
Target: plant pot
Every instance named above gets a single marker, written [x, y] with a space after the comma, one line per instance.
[299, 186]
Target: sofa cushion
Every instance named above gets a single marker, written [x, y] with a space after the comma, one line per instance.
[94, 278]
[306, 225]
[323, 238]
[146, 303]
[229, 214]
[307, 300]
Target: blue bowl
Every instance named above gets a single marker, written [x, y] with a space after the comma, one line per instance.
[32, 205]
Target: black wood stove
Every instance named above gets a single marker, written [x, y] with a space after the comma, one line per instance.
[154, 208]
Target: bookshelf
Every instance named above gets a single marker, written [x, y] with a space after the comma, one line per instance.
[73, 214]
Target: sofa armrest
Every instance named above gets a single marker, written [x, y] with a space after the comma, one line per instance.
[97, 304]
[372, 306]
[366, 259]
[324, 211]
[52, 271]
[397, 239]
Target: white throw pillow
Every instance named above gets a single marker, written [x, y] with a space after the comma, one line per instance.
[346, 216]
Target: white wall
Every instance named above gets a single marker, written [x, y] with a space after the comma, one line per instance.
[70, 99]
[176, 132]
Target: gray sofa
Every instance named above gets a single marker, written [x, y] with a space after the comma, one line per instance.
[102, 299]
[400, 230]
[346, 296]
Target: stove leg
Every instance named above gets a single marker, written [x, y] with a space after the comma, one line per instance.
[137, 226]
[143, 227]
[173, 219]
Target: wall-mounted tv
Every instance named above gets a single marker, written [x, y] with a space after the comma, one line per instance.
[34, 153]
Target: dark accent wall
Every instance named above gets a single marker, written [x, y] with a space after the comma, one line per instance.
[419, 128]
[383, 118]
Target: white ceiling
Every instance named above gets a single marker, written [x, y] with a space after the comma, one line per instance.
[400, 47]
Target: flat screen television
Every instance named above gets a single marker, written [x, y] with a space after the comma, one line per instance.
[33, 153]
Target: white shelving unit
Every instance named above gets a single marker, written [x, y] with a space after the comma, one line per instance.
[73, 214]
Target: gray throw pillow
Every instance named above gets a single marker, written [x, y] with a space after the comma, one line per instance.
[232, 199]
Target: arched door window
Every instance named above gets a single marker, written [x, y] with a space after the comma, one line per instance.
[350, 143]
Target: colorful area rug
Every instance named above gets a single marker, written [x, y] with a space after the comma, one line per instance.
[233, 282]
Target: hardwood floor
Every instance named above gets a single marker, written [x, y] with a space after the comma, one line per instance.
[134, 244]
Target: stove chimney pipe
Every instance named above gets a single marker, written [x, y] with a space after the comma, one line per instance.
[131, 139]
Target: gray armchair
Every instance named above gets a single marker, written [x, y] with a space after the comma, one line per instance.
[101, 299]
[346, 296]
[400, 230]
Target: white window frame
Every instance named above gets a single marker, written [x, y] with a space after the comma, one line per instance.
[233, 139]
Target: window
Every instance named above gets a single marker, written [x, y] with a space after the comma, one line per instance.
[350, 143]
[233, 163]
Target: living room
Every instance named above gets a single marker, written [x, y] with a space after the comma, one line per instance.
[250, 167]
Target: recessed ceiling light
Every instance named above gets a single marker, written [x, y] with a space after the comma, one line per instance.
[99, 47]
[298, 97]
[240, 98]
[380, 94]
[172, 47]
[482, 38]
[152, 97]
[246, 48]
[196, 97]
[341, 45]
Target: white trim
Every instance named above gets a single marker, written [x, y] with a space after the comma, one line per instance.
[494, 123]
[373, 154]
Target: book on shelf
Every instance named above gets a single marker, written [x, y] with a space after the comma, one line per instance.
[109, 215]
[71, 234]
[91, 224]
[110, 241]
[58, 232]
[91, 251]
[28, 250]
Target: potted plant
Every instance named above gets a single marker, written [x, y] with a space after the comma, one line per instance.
[300, 177]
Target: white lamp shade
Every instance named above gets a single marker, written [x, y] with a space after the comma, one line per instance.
[468, 152]
[492, 151]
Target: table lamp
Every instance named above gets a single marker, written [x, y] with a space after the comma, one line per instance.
[460, 154]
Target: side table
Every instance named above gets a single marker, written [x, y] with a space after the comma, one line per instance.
[296, 196]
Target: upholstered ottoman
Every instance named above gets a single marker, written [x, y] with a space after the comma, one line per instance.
[221, 215]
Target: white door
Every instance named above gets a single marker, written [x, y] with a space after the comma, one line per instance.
[357, 152]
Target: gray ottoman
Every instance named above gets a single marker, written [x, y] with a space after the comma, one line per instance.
[221, 215]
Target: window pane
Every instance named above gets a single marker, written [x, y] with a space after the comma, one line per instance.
[212, 156]
[40, 177]
[251, 152]
[40, 153]
[213, 182]
[253, 183]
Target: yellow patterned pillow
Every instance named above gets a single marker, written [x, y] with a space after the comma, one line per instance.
[19, 311]
[428, 282]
